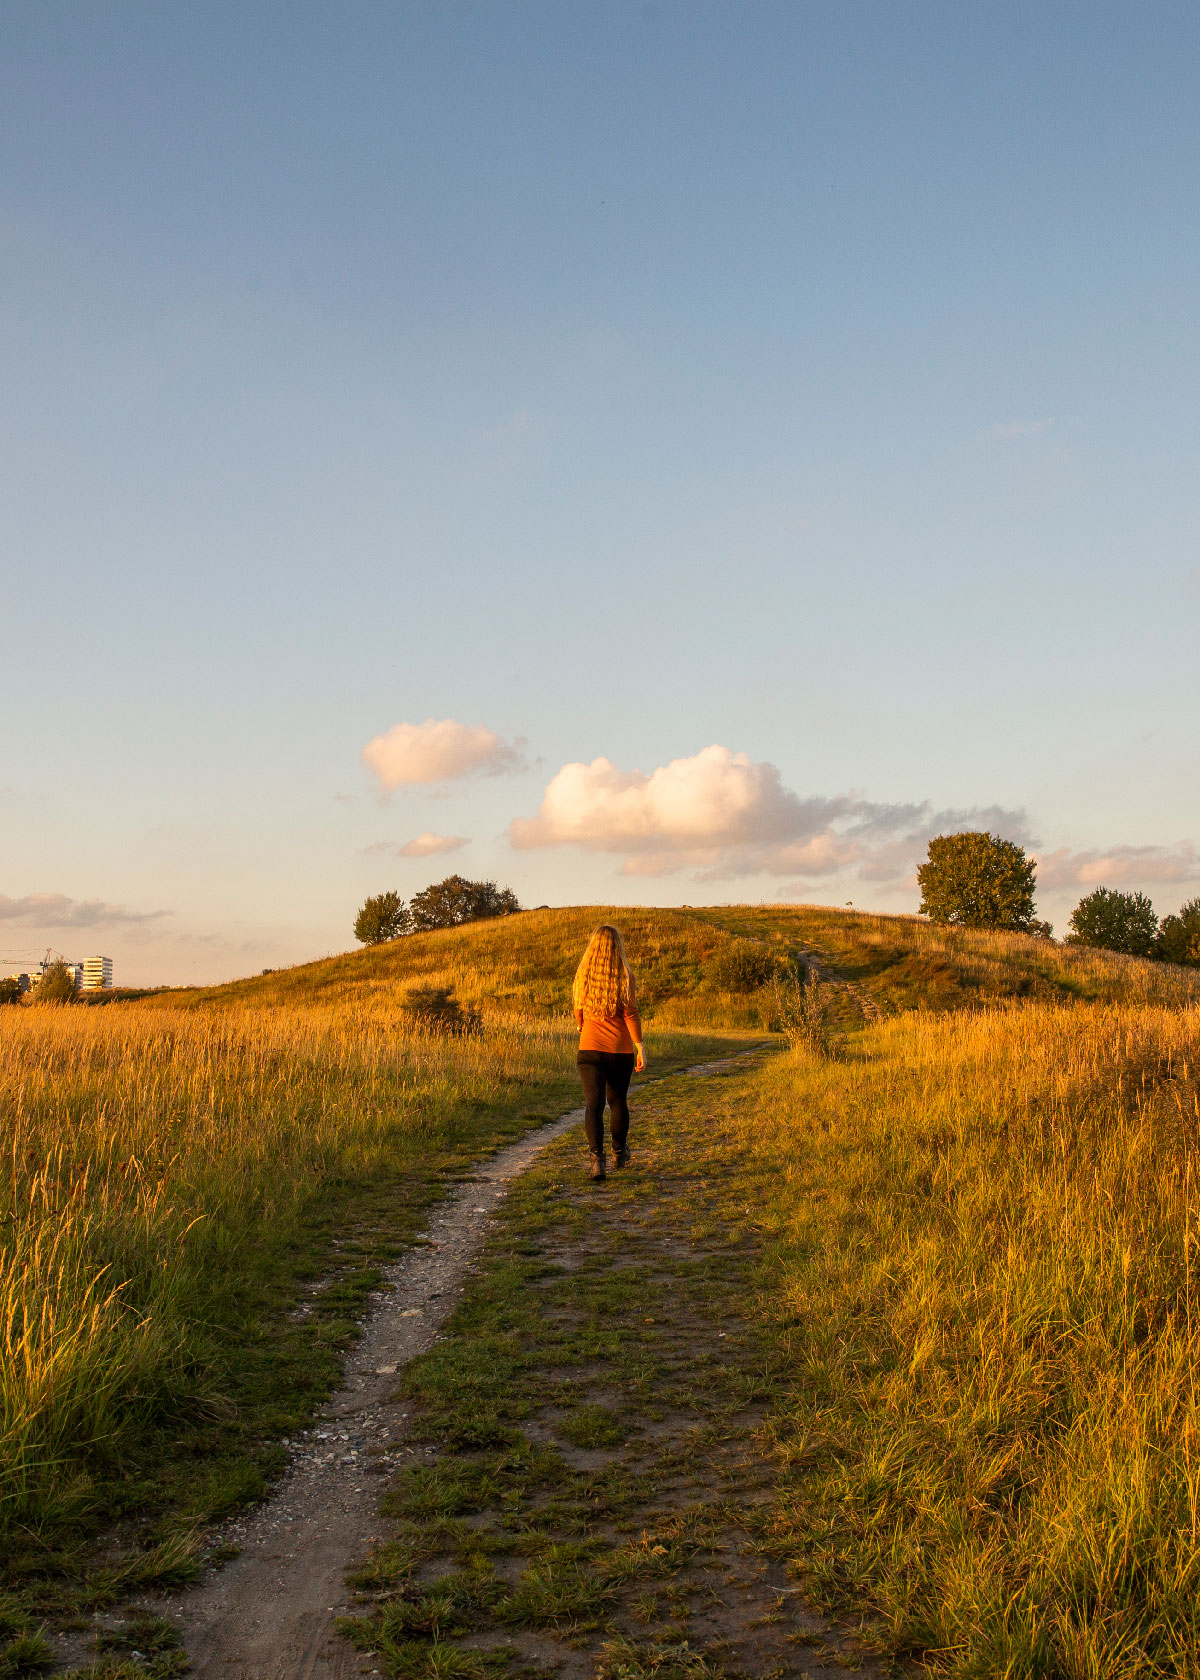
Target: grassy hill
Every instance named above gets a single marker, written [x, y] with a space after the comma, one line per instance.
[184, 1166]
[522, 965]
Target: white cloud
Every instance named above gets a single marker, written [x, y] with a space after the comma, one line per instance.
[1020, 428]
[1119, 866]
[430, 844]
[46, 910]
[415, 754]
[723, 815]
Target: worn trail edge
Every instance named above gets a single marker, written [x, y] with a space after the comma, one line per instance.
[270, 1613]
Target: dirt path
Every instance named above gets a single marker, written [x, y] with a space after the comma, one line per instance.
[270, 1613]
[691, 1484]
[603, 1498]
[851, 1005]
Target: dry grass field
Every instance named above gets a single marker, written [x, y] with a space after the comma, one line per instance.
[980, 1268]
[983, 1270]
[181, 1168]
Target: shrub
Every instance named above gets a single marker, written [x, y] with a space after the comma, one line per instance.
[742, 967]
[800, 1013]
[435, 1009]
[384, 917]
[455, 900]
[1178, 938]
[977, 880]
[1114, 921]
[10, 991]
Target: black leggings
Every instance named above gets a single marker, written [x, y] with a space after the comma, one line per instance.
[605, 1071]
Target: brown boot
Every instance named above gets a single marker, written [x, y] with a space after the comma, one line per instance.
[621, 1157]
[598, 1167]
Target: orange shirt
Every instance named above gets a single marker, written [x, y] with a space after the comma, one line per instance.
[616, 1034]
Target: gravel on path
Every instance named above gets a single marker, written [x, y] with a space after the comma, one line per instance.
[270, 1614]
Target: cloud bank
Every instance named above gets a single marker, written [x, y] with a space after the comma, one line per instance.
[1119, 866]
[418, 754]
[45, 910]
[721, 814]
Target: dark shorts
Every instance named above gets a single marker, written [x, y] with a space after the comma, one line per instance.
[615, 1065]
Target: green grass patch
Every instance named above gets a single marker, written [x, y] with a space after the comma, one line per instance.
[593, 1403]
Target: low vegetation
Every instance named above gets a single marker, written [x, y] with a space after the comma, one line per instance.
[982, 1266]
[971, 1225]
[182, 1171]
[595, 1486]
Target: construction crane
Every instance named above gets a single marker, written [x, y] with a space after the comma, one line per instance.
[29, 959]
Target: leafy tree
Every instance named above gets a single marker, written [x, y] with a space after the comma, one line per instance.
[10, 991]
[1114, 921]
[977, 880]
[57, 985]
[384, 917]
[455, 900]
[1178, 939]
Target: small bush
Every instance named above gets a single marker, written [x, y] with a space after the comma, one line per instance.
[435, 1009]
[800, 1014]
[743, 967]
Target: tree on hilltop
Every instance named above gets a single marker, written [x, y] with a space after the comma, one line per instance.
[1178, 939]
[384, 917]
[455, 900]
[977, 880]
[1114, 921]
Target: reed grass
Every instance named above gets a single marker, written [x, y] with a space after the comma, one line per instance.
[983, 1276]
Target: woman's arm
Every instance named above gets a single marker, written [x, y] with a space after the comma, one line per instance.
[634, 1022]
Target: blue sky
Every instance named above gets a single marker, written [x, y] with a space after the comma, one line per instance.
[622, 382]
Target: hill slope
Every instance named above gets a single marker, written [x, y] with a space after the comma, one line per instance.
[522, 965]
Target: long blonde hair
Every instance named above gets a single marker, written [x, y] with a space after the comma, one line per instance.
[603, 984]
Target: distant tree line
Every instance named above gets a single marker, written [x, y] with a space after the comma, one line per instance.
[447, 903]
[978, 880]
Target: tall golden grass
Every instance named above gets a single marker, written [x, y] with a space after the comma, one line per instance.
[146, 1151]
[985, 1270]
[160, 1153]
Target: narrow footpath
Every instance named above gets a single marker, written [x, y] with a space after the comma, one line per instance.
[548, 1460]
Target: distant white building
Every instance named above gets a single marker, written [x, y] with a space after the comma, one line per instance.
[95, 974]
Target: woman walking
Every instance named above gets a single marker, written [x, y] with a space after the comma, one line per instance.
[610, 1042]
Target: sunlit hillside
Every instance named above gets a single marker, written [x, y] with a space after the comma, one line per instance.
[522, 964]
[182, 1166]
[513, 967]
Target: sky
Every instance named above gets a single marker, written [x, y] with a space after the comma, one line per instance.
[662, 453]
